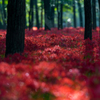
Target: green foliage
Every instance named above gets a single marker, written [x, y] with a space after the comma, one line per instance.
[2, 55]
[6, 2]
[67, 8]
[44, 96]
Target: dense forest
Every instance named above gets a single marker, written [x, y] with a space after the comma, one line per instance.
[50, 49]
[35, 12]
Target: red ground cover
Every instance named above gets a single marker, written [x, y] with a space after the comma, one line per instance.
[55, 65]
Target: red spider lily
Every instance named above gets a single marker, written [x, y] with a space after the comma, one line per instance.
[56, 61]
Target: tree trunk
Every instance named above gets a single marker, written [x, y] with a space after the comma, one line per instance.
[61, 14]
[41, 14]
[25, 17]
[48, 15]
[88, 22]
[99, 3]
[37, 16]
[31, 14]
[74, 8]
[58, 20]
[99, 14]
[4, 13]
[80, 13]
[52, 12]
[59, 9]
[57, 14]
[2, 26]
[94, 14]
[15, 27]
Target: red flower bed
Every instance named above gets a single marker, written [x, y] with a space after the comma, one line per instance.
[55, 65]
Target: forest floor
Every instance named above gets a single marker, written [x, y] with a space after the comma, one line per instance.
[55, 65]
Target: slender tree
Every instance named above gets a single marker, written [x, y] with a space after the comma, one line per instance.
[61, 10]
[99, 3]
[52, 12]
[58, 20]
[74, 16]
[94, 14]
[80, 13]
[25, 17]
[41, 14]
[15, 27]
[48, 15]
[31, 14]
[1, 17]
[37, 16]
[99, 12]
[58, 14]
[88, 22]
[4, 13]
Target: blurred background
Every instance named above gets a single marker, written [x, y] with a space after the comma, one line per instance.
[62, 13]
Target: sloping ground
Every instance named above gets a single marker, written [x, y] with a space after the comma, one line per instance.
[55, 65]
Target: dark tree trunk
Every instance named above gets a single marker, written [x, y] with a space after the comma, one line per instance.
[99, 13]
[88, 22]
[80, 13]
[59, 9]
[94, 13]
[1, 25]
[74, 17]
[52, 12]
[25, 17]
[61, 14]
[99, 3]
[58, 20]
[15, 27]
[37, 16]
[48, 15]
[2, 18]
[4, 13]
[31, 14]
[58, 15]
[41, 14]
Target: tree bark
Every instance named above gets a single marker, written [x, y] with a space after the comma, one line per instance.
[4, 13]
[74, 17]
[58, 15]
[37, 16]
[88, 22]
[99, 3]
[52, 12]
[31, 14]
[61, 14]
[48, 15]
[25, 17]
[59, 9]
[58, 20]
[94, 13]
[80, 13]
[15, 27]
[41, 14]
